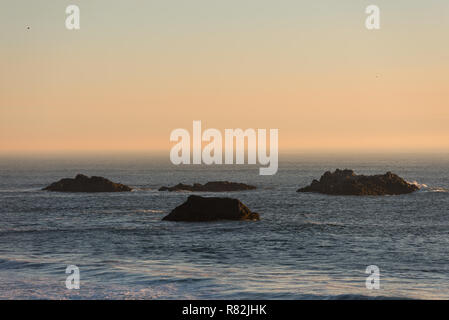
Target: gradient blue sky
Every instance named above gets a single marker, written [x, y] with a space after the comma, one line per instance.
[138, 69]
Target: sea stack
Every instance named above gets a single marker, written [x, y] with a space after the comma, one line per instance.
[346, 182]
[82, 183]
[213, 186]
[201, 209]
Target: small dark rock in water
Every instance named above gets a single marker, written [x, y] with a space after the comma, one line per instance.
[214, 186]
[82, 183]
[198, 209]
[346, 182]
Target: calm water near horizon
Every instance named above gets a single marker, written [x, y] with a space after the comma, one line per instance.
[306, 246]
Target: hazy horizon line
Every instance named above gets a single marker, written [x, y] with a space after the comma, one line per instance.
[166, 153]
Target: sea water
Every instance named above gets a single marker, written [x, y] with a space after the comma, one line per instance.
[306, 246]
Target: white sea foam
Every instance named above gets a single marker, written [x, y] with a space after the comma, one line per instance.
[149, 211]
[425, 188]
[419, 185]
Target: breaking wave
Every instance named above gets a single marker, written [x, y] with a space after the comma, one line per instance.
[425, 188]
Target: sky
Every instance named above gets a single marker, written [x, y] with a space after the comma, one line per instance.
[136, 70]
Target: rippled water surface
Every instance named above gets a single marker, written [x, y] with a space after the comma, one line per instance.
[305, 246]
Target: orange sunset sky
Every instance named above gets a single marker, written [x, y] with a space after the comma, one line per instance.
[136, 70]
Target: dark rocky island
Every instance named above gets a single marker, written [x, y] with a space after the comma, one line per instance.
[200, 209]
[346, 182]
[82, 183]
[214, 186]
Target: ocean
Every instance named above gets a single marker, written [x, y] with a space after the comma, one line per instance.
[306, 246]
